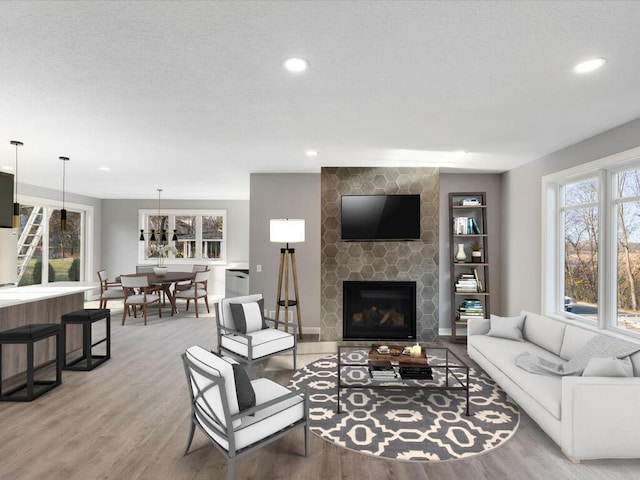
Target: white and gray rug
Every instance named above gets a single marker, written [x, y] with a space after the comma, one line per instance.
[402, 424]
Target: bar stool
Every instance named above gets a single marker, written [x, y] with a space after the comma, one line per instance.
[87, 318]
[29, 335]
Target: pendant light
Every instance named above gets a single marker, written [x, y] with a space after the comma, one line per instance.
[16, 205]
[162, 234]
[63, 212]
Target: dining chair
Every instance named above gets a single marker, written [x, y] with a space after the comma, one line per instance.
[236, 414]
[142, 269]
[108, 290]
[187, 285]
[197, 290]
[147, 295]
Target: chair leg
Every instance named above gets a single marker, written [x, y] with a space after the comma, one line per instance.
[206, 302]
[230, 468]
[195, 300]
[124, 313]
[144, 309]
[190, 439]
[306, 439]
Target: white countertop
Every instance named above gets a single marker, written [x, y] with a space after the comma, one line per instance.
[17, 295]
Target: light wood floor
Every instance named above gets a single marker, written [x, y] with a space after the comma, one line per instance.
[128, 419]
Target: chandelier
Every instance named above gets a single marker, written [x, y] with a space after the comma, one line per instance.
[159, 235]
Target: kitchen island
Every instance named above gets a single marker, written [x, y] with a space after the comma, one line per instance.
[39, 304]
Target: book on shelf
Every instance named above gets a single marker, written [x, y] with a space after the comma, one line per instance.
[470, 201]
[466, 226]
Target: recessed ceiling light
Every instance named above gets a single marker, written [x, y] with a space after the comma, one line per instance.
[103, 169]
[589, 65]
[312, 153]
[296, 64]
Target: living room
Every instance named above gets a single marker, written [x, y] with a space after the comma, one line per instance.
[592, 124]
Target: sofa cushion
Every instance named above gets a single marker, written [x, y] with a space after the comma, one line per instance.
[544, 390]
[543, 331]
[608, 367]
[507, 327]
[575, 338]
[226, 317]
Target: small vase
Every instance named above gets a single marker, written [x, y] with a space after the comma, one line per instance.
[476, 256]
[160, 271]
[460, 255]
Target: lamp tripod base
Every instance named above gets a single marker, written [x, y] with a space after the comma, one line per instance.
[288, 255]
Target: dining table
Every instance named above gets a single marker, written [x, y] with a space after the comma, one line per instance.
[165, 281]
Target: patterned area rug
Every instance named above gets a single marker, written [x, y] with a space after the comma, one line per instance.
[403, 424]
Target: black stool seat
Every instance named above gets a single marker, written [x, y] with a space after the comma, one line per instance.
[86, 317]
[29, 335]
[31, 332]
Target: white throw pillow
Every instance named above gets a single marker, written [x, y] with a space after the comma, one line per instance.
[609, 367]
[507, 327]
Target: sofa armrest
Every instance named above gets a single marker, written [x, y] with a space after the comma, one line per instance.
[600, 417]
[478, 326]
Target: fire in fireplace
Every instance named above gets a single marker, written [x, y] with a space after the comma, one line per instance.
[379, 310]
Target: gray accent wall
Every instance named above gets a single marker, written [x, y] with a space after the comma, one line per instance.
[522, 213]
[471, 182]
[290, 195]
[380, 261]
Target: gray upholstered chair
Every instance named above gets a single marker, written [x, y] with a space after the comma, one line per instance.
[198, 290]
[257, 341]
[108, 290]
[236, 414]
[131, 284]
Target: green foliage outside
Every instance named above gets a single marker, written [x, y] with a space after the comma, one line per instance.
[37, 273]
[74, 270]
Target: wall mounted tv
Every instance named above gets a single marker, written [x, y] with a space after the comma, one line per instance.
[6, 200]
[380, 217]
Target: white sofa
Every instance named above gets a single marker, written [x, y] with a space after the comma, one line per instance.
[588, 417]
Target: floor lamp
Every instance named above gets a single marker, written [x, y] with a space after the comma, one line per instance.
[287, 231]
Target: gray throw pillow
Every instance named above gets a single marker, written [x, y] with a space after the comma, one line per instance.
[244, 390]
[507, 327]
[248, 317]
[609, 367]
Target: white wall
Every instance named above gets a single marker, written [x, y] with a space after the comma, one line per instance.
[121, 233]
[522, 214]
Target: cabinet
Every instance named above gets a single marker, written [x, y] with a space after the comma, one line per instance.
[469, 257]
[236, 282]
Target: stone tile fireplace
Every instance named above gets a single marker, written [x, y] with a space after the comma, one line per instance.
[379, 261]
[379, 310]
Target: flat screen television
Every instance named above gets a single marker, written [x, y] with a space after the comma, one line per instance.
[380, 217]
[6, 200]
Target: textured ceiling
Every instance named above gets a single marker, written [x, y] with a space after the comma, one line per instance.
[191, 97]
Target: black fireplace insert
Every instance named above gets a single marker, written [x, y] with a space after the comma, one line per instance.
[375, 310]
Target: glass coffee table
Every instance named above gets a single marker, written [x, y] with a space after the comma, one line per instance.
[368, 366]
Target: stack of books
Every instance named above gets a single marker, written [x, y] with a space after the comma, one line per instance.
[467, 282]
[466, 226]
[416, 372]
[382, 370]
[470, 308]
[470, 201]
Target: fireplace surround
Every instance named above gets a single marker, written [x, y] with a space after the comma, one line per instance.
[379, 310]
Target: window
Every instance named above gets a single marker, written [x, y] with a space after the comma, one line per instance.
[45, 253]
[201, 234]
[580, 226]
[592, 246]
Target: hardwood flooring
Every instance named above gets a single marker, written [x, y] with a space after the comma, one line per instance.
[128, 419]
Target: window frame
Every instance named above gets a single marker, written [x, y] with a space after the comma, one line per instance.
[605, 170]
[143, 215]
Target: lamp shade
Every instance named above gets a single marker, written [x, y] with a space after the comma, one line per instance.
[286, 230]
